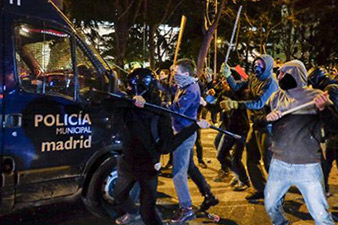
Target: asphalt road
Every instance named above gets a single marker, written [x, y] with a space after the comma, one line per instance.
[233, 209]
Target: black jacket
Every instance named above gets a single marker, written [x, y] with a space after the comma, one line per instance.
[140, 150]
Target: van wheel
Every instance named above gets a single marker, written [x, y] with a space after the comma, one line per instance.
[99, 198]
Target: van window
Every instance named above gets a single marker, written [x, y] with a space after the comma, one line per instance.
[88, 76]
[43, 60]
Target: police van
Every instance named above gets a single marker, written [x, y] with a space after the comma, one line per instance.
[56, 140]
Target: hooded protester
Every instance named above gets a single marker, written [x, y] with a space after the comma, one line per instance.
[319, 80]
[261, 85]
[146, 135]
[296, 144]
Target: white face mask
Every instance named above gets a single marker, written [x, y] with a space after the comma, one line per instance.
[183, 80]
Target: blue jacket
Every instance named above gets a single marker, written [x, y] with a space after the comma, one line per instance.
[186, 101]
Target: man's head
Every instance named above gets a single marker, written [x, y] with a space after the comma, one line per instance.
[185, 67]
[225, 84]
[142, 81]
[315, 76]
[164, 73]
[262, 67]
[292, 75]
[184, 71]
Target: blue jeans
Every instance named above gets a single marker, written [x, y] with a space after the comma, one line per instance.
[308, 178]
[181, 158]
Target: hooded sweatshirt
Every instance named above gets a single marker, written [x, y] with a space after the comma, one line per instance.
[140, 151]
[260, 88]
[296, 137]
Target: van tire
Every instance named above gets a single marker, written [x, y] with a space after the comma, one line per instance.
[97, 200]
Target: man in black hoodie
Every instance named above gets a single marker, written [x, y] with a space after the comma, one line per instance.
[319, 80]
[296, 144]
[147, 134]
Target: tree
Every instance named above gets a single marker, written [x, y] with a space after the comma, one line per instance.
[122, 14]
[156, 13]
[209, 31]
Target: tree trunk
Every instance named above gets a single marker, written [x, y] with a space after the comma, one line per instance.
[121, 43]
[158, 46]
[204, 51]
[207, 41]
[152, 32]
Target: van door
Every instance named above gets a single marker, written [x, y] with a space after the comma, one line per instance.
[6, 162]
[48, 131]
[1, 87]
[1, 95]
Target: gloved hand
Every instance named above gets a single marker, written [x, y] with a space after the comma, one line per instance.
[228, 104]
[225, 70]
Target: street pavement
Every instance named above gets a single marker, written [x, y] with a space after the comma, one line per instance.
[233, 208]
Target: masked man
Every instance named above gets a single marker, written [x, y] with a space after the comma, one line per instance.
[261, 85]
[186, 101]
[146, 135]
[296, 144]
[319, 80]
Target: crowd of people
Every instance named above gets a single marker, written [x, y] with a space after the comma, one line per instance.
[287, 117]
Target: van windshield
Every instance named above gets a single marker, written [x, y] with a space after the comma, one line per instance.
[92, 48]
[45, 65]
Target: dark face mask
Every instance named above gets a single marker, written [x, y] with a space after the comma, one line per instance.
[258, 70]
[287, 82]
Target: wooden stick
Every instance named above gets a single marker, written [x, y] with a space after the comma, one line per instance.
[329, 102]
[180, 35]
[232, 35]
[298, 108]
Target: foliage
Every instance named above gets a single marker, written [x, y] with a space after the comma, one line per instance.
[286, 29]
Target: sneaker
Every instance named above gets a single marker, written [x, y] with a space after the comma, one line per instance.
[127, 218]
[183, 215]
[240, 187]
[255, 195]
[221, 176]
[234, 181]
[202, 164]
[209, 200]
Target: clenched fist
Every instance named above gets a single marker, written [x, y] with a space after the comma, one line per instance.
[321, 101]
[273, 116]
[139, 101]
[203, 124]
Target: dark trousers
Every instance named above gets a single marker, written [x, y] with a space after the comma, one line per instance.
[213, 108]
[222, 156]
[331, 155]
[234, 160]
[197, 177]
[257, 147]
[199, 148]
[148, 185]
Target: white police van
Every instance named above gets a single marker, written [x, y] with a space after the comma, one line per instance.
[56, 142]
